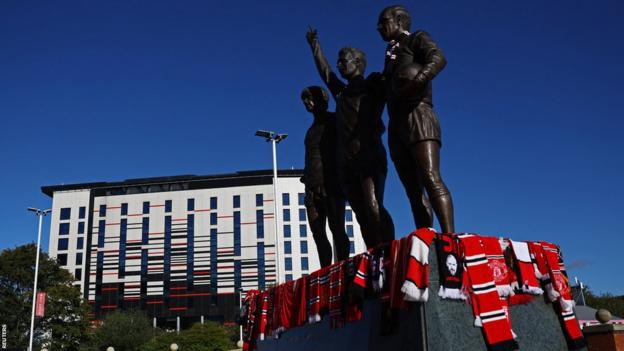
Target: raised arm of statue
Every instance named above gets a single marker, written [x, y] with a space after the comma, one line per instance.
[334, 84]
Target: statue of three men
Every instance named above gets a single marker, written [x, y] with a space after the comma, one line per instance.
[354, 153]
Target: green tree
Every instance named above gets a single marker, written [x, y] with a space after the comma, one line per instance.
[615, 304]
[123, 330]
[209, 336]
[65, 322]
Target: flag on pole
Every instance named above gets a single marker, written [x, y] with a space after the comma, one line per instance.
[40, 304]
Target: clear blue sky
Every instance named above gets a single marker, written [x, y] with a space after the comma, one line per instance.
[530, 105]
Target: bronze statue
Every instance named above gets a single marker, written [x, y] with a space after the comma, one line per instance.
[414, 138]
[361, 156]
[324, 201]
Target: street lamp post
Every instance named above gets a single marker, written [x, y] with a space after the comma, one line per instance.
[274, 138]
[40, 214]
[240, 307]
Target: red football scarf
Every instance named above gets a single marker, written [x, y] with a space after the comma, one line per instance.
[300, 313]
[417, 275]
[496, 261]
[314, 314]
[489, 312]
[450, 266]
[283, 307]
[249, 337]
[561, 286]
[336, 289]
[525, 271]
[377, 268]
[397, 271]
[541, 268]
[361, 276]
[354, 294]
[263, 299]
[318, 294]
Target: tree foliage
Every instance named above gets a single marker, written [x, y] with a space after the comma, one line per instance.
[123, 330]
[209, 336]
[65, 322]
[615, 304]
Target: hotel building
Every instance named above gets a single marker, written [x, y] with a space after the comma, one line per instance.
[183, 246]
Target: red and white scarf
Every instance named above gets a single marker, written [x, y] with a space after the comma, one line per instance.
[417, 275]
[336, 290]
[318, 294]
[525, 270]
[490, 313]
[496, 261]
[557, 287]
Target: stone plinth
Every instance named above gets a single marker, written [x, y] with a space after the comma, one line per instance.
[605, 337]
[437, 325]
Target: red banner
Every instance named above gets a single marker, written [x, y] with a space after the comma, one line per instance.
[40, 304]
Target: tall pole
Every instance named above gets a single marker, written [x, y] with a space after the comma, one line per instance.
[275, 214]
[40, 214]
[274, 138]
[240, 307]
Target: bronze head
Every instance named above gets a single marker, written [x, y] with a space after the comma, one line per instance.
[351, 62]
[393, 20]
[315, 99]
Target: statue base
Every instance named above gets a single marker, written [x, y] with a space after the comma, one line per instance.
[437, 325]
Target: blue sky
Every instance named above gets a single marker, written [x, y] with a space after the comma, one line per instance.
[530, 105]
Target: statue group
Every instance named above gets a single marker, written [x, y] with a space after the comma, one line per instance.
[345, 159]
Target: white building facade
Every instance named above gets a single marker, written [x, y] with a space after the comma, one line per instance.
[183, 246]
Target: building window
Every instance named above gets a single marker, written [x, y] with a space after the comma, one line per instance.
[301, 197]
[78, 274]
[289, 277]
[102, 210]
[285, 199]
[302, 214]
[213, 260]
[286, 217]
[288, 263]
[80, 227]
[304, 247]
[303, 231]
[237, 275]
[261, 265]
[81, 212]
[62, 259]
[304, 263]
[124, 209]
[79, 258]
[350, 231]
[259, 224]
[79, 243]
[237, 233]
[65, 213]
[259, 200]
[190, 205]
[63, 228]
[146, 207]
[145, 231]
[351, 247]
[236, 201]
[349, 216]
[287, 247]
[213, 203]
[168, 205]
[213, 219]
[286, 230]
[63, 244]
